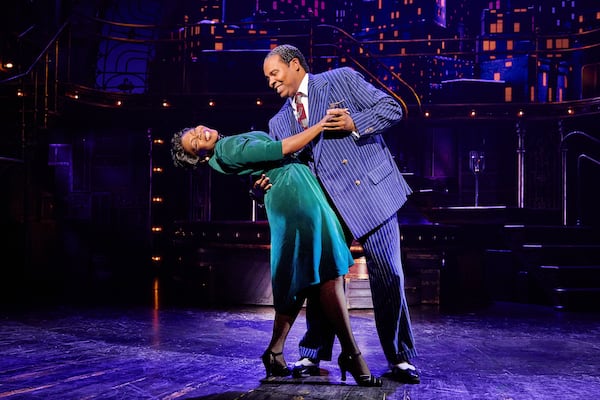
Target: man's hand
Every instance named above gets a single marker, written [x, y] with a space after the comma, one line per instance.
[339, 120]
[260, 187]
[262, 184]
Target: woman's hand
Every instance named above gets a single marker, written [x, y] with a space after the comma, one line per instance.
[338, 119]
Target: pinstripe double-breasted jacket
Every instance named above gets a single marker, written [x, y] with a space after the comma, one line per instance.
[358, 172]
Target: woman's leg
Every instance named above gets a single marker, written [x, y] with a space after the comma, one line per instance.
[273, 358]
[281, 328]
[333, 302]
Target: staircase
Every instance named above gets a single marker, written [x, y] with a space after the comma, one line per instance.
[553, 265]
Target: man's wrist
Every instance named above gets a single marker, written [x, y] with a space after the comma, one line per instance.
[258, 199]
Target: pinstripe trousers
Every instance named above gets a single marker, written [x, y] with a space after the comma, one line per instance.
[386, 277]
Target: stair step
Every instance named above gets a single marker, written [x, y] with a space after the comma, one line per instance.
[561, 254]
[561, 246]
[547, 264]
[576, 299]
[571, 268]
[552, 234]
[358, 294]
[571, 275]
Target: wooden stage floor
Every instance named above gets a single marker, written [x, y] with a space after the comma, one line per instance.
[505, 351]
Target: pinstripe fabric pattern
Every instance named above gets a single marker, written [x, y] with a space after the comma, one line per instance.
[367, 189]
[360, 175]
[386, 277]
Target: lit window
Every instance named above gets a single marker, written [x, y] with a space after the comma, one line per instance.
[562, 43]
[507, 94]
[544, 79]
[531, 93]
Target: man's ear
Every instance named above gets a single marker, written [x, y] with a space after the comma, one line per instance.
[296, 62]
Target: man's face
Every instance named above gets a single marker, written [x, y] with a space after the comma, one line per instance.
[283, 78]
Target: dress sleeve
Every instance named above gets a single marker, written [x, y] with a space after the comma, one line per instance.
[247, 153]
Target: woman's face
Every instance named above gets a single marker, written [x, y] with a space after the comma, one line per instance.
[199, 140]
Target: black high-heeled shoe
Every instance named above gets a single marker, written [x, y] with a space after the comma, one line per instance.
[272, 366]
[348, 362]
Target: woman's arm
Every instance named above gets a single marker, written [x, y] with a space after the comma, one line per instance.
[298, 141]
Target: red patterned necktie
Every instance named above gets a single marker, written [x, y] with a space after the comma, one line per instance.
[301, 112]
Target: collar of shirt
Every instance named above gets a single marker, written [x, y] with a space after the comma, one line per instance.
[303, 88]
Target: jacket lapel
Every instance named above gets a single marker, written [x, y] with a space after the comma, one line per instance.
[289, 119]
[317, 106]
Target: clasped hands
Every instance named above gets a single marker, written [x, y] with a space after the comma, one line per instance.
[338, 119]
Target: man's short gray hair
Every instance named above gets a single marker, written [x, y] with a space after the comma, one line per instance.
[287, 52]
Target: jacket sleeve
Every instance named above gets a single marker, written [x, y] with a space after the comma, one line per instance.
[372, 110]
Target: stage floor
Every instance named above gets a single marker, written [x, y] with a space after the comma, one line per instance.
[505, 351]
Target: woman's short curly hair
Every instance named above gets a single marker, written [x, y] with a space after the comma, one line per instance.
[182, 158]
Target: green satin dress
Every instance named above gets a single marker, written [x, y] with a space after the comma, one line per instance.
[307, 240]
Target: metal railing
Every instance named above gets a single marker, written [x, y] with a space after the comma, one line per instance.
[363, 59]
[591, 143]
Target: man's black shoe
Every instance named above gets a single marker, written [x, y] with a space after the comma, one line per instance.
[306, 367]
[410, 376]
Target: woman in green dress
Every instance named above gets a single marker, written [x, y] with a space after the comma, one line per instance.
[308, 249]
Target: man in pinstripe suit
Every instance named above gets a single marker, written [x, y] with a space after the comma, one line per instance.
[359, 174]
